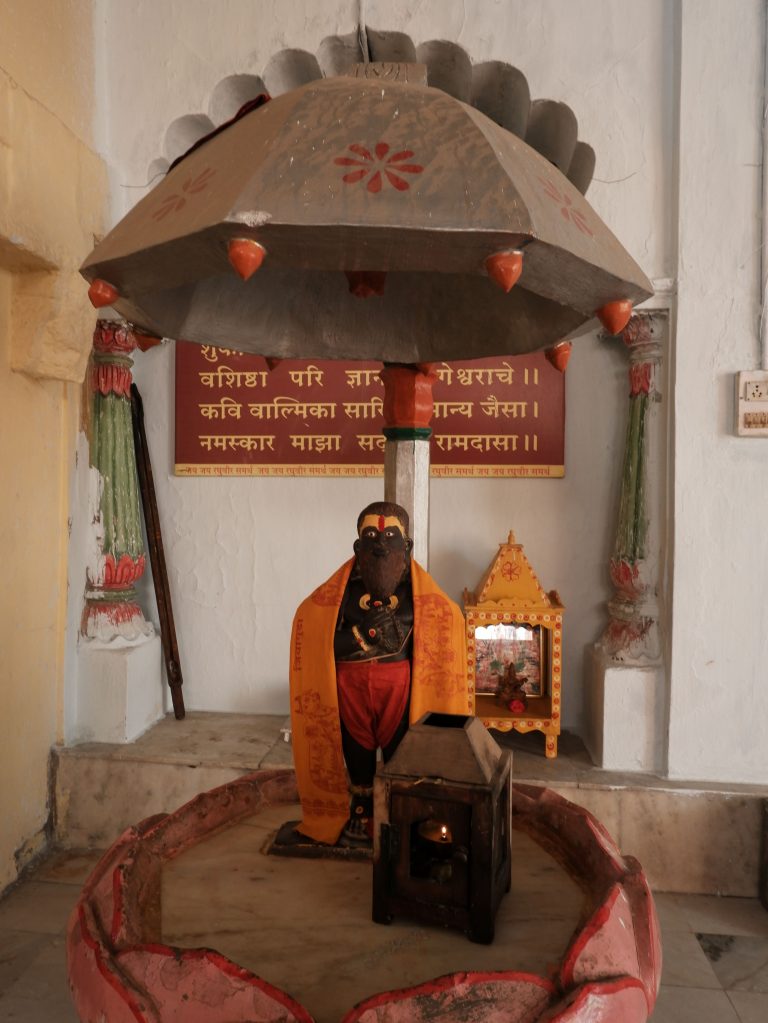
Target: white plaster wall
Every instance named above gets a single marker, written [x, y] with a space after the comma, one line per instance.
[161, 59]
[242, 553]
[719, 665]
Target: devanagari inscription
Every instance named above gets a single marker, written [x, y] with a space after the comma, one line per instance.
[235, 442]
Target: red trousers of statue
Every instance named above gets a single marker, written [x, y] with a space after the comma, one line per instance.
[373, 697]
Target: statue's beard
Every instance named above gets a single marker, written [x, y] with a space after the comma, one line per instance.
[381, 574]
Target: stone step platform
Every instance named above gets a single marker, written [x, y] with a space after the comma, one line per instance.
[690, 837]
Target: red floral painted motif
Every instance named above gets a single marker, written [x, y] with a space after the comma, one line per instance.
[567, 210]
[123, 573]
[625, 576]
[510, 571]
[377, 166]
[178, 200]
[639, 378]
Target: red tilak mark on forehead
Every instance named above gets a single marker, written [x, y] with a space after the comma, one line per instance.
[381, 523]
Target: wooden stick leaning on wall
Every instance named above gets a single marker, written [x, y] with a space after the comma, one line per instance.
[157, 555]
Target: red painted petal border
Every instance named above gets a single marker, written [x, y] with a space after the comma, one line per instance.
[120, 891]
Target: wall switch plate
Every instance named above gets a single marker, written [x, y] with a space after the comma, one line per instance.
[752, 403]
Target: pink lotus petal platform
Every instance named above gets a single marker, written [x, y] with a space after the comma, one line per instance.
[121, 970]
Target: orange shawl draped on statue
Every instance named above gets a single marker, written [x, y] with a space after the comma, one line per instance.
[438, 683]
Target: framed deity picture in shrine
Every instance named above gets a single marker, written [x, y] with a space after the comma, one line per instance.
[502, 647]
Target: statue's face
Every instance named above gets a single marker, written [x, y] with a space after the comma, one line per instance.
[380, 534]
[382, 550]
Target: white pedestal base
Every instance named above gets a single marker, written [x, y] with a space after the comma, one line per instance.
[625, 714]
[119, 692]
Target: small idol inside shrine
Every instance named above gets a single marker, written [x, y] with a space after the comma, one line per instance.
[515, 647]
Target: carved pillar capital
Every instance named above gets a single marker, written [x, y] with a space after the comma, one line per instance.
[644, 338]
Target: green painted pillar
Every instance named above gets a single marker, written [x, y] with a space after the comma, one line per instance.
[632, 634]
[111, 608]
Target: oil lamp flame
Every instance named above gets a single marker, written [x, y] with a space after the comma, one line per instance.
[435, 831]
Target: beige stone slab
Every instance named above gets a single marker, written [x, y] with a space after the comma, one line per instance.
[17, 950]
[273, 817]
[692, 1005]
[233, 850]
[687, 843]
[672, 918]
[605, 804]
[534, 871]
[553, 903]
[199, 739]
[68, 866]
[41, 907]
[740, 963]
[41, 993]
[98, 798]
[573, 766]
[689, 837]
[531, 764]
[712, 914]
[280, 754]
[685, 964]
[752, 1007]
[298, 923]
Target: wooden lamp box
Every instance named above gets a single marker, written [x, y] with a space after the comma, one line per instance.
[515, 641]
[443, 813]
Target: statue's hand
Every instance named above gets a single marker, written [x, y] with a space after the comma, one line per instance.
[380, 628]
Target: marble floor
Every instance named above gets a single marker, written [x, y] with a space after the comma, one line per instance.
[298, 923]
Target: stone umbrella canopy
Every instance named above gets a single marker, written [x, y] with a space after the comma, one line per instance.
[373, 183]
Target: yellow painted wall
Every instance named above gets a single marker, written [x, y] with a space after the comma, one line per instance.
[52, 190]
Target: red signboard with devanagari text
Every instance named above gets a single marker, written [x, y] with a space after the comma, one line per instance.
[237, 417]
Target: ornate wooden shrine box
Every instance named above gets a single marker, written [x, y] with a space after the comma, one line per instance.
[515, 640]
[442, 807]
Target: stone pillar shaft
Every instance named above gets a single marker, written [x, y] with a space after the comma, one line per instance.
[407, 414]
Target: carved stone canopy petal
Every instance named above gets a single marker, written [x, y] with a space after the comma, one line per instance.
[365, 173]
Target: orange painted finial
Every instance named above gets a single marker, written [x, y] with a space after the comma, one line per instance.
[504, 268]
[614, 316]
[246, 256]
[146, 341]
[102, 293]
[559, 354]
